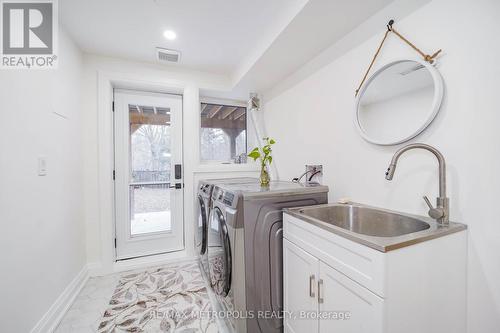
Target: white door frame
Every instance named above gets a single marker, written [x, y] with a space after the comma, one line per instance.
[127, 245]
[106, 82]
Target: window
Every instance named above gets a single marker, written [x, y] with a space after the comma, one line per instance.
[223, 135]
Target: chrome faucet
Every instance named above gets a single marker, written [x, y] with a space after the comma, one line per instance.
[441, 213]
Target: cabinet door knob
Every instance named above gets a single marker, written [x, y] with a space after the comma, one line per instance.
[311, 285]
[320, 296]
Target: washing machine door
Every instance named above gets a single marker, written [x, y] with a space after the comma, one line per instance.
[201, 227]
[219, 253]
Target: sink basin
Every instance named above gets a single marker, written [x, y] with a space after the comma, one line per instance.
[381, 229]
[366, 221]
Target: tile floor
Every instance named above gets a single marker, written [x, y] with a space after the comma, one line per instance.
[86, 312]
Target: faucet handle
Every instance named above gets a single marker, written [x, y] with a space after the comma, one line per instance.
[428, 202]
[435, 213]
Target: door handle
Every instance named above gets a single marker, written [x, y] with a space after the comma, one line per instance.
[177, 186]
[320, 296]
[311, 286]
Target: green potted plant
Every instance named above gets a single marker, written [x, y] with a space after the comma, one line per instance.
[266, 159]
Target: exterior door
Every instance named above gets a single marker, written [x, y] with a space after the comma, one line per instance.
[148, 173]
[300, 275]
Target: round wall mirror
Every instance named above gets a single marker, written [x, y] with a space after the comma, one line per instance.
[398, 102]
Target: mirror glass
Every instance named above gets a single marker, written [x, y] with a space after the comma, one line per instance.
[398, 102]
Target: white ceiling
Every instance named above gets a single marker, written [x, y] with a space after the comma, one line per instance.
[319, 24]
[213, 35]
[255, 43]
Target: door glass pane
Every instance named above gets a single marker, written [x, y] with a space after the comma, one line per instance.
[149, 209]
[150, 161]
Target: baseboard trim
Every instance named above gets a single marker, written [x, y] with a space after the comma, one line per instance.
[56, 312]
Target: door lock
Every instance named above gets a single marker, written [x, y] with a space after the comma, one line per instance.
[178, 171]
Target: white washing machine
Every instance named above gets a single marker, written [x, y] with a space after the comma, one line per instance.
[204, 203]
[245, 249]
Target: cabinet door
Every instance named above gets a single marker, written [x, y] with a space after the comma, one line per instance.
[339, 294]
[300, 272]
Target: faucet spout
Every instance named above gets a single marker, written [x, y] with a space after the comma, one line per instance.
[390, 170]
[441, 212]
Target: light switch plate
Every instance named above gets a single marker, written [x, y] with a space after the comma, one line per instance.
[42, 166]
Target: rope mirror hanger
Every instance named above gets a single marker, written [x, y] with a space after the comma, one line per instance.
[390, 28]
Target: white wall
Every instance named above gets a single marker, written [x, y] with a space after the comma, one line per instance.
[42, 242]
[313, 123]
[98, 211]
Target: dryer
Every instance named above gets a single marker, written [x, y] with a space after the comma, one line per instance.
[204, 203]
[245, 252]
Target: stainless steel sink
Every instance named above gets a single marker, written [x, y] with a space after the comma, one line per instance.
[366, 221]
[378, 228]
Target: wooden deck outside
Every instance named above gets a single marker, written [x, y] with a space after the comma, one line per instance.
[231, 119]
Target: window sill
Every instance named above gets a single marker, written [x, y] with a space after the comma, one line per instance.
[209, 167]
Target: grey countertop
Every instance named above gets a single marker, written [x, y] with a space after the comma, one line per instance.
[275, 188]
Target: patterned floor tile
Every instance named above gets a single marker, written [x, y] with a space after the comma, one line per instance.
[164, 299]
[171, 298]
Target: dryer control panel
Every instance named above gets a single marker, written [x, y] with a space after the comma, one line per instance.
[228, 198]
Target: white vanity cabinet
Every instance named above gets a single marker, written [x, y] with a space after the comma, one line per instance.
[339, 293]
[300, 271]
[316, 288]
[415, 289]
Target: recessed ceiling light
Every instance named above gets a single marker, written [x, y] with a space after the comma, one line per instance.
[169, 34]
